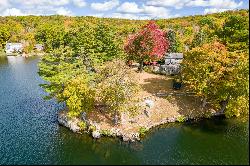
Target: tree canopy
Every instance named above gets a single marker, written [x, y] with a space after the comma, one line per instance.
[219, 76]
[149, 43]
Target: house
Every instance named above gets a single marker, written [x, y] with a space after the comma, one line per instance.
[173, 58]
[39, 47]
[172, 64]
[13, 48]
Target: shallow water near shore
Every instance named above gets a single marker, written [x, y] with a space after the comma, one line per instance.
[29, 133]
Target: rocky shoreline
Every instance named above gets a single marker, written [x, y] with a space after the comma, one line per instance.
[159, 104]
[97, 131]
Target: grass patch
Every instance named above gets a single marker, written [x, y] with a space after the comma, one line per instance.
[181, 119]
[106, 133]
[2, 53]
[169, 97]
[82, 125]
[92, 128]
[142, 131]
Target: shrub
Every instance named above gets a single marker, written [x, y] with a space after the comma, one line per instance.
[82, 125]
[207, 114]
[169, 97]
[91, 128]
[181, 119]
[148, 69]
[106, 133]
[142, 131]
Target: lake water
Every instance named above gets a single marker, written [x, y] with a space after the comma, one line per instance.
[29, 133]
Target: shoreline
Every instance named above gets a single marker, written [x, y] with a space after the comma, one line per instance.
[24, 55]
[73, 125]
[159, 104]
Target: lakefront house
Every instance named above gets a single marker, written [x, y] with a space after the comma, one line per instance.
[13, 48]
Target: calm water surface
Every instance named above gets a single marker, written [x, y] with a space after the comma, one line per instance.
[29, 133]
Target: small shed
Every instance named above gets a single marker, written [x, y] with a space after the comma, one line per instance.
[13, 48]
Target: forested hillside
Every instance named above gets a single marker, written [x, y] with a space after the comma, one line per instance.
[190, 31]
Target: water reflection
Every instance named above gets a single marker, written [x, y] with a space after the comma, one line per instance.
[3, 60]
[83, 149]
[196, 143]
[13, 60]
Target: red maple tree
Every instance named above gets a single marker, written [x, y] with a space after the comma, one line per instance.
[149, 43]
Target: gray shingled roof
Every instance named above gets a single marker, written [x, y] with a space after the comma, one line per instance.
[174, 56]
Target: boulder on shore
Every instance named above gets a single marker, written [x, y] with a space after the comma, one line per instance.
[71, 123]
[96, 134]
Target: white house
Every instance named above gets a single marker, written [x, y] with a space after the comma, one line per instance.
[13, 47]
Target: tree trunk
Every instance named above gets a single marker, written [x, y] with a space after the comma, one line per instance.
[204, 102]
[141, 66]
[116, 118]
[224, 105]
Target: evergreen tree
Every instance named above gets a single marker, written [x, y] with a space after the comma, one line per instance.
[174, 45]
